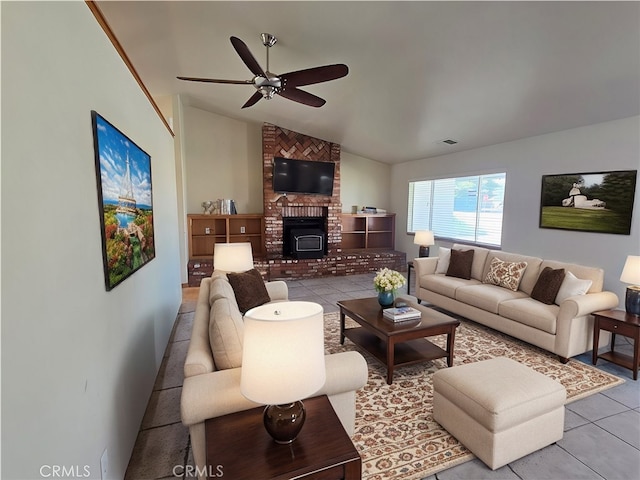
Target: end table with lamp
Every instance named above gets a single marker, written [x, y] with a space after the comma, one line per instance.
[239, 447]
[626, 323]
[282, 363]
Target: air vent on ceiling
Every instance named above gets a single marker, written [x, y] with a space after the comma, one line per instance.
[449, 141]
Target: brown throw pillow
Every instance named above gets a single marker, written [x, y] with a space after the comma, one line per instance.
[249, 289]
[460, 264]
[547, 286]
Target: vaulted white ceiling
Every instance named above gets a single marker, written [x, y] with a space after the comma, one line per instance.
[480, 73]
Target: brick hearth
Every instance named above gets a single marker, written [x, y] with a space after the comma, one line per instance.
[351, 263]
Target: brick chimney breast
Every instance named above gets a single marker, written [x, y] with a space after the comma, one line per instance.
[279, 142]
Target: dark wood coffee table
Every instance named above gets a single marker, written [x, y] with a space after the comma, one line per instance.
[403, 343]
[238, 447]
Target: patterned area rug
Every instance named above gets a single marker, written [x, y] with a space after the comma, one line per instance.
[395, 432]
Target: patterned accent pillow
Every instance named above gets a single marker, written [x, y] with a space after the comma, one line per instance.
[548, 285]
[505, 274]
[460, 264]
[249, 289]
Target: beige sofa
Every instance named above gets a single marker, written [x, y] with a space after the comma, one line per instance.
[565, 329]
[212, 382]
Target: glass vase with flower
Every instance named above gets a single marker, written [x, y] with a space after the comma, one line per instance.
[387, 282]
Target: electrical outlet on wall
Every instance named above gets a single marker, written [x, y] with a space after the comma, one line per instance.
[242, 230]
[104, 462]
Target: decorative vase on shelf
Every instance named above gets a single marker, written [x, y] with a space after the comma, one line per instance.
[385, 299]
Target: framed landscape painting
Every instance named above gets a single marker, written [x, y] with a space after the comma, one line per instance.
[590, 202]
[123, 173]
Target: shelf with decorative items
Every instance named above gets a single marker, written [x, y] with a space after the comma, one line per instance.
[368, 231]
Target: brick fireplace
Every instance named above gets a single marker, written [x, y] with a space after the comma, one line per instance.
[279, 142]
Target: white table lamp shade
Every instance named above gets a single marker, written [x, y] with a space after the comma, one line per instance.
[283, 352]
[424, 238]
[631, 270]
[232, 257]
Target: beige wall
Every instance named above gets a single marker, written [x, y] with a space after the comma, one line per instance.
[78, 362]
[611, 145]
[223, 159]
[364, 182]
[595, 148]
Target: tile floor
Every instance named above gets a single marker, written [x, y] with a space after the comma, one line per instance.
[601, 440]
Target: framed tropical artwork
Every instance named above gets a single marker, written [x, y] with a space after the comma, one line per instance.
[590, 202]
[125, 200]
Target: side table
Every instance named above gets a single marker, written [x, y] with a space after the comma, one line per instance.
[409, 268]
[617, 322]
[239, 447]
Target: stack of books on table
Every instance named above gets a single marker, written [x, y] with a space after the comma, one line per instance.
[400, 314]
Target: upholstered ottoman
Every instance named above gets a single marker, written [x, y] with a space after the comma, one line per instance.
[499, 409]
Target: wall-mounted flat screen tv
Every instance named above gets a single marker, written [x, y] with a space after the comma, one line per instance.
[303, 176]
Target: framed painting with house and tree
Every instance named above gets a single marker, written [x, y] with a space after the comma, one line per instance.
[590, 202]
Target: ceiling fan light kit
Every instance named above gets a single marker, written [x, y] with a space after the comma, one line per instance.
[269, 84]
[268, 91]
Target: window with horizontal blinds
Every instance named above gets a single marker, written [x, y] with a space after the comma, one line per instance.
[466, 208]
[420, 208]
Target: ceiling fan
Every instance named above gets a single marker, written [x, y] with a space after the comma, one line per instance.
[286, 85]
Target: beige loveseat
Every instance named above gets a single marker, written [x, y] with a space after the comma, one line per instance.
[212, 381]
[563, 327]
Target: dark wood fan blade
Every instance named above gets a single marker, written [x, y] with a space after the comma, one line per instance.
[253, 100]
[301, 96]
[246, 56]
[214, 80]
[314, 75]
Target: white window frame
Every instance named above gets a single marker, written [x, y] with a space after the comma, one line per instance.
[427, 209]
